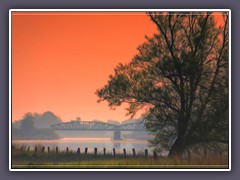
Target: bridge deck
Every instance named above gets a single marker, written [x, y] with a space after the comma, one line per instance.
[98, 126]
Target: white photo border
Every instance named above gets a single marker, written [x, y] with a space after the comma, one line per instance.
[112, 10]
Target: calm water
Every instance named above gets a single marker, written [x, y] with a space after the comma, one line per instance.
[90, 143]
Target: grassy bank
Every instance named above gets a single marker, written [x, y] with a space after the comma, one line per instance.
[72, 160]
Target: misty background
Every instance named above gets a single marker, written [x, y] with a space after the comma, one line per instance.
[38, 126]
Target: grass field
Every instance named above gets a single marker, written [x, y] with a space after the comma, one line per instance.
[22, 159]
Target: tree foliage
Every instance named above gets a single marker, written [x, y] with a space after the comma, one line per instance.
[180, 76]
[27, 123]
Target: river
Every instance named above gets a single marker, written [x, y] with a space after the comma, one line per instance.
[91, 143]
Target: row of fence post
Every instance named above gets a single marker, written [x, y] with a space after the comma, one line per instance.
[104, 152]
[95, 151]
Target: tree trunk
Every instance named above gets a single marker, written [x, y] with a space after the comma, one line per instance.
[177, 148]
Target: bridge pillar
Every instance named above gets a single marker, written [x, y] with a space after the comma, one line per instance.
[117, 135]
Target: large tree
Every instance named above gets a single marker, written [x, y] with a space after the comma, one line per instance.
[180, 76]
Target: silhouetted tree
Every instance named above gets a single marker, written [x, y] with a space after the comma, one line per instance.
[180, 78]
[27, 123]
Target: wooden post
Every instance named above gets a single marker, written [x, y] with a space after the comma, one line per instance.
[104, 151]
[205, 153]
[134, 153]
[86, 149]
[124, 152]
[48, 149]
[67, 150]
[189, 155]
[56, 149]
[146, 153]
[43, 149]
[114, 153]
[35, 150]
[28, 149]
[155, 155]
[220, 153]
[95, 151]
[78, 151]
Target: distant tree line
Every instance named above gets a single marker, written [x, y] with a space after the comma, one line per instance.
[35, 126]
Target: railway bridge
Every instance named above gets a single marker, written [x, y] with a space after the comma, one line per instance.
[100, 126]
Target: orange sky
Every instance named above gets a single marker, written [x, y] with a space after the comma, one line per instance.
[60, 59]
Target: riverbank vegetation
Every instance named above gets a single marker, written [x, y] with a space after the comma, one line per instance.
[22, 159]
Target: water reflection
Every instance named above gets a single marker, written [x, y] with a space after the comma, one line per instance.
[117, 145]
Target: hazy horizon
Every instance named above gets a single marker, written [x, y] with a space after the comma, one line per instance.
[127, 118]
